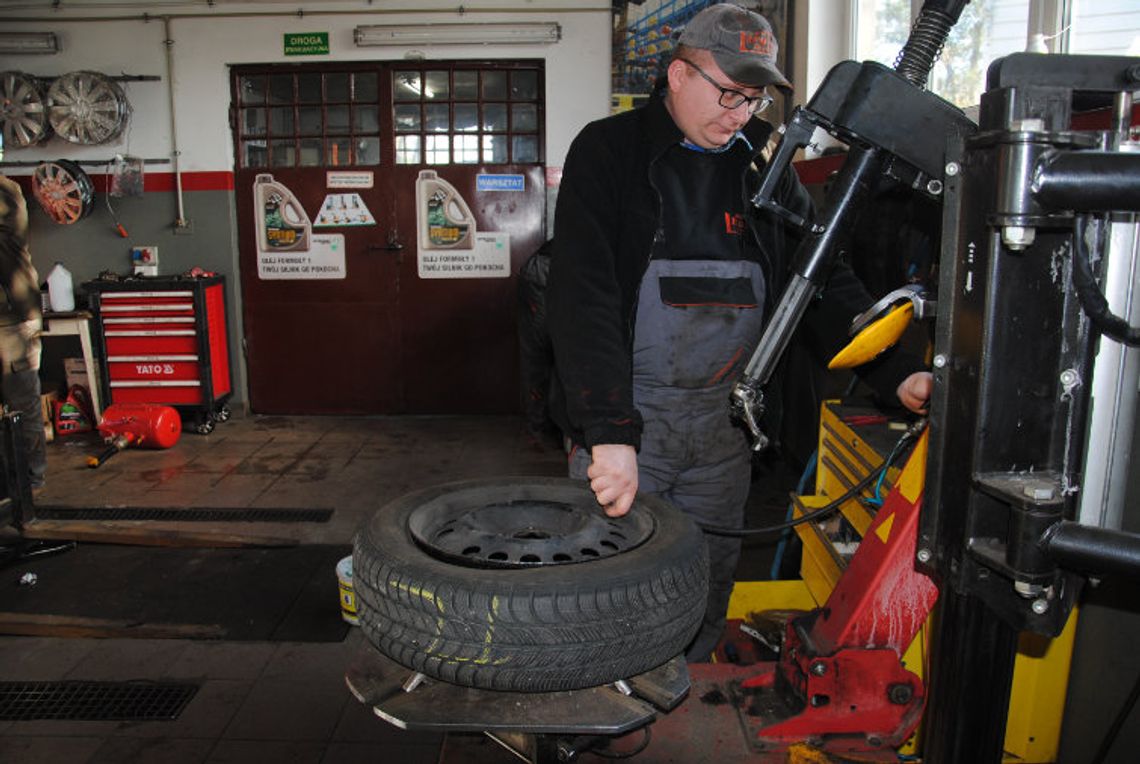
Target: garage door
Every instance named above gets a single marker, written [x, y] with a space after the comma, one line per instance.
[383, 210]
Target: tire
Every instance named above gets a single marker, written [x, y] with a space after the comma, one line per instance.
[539, 617]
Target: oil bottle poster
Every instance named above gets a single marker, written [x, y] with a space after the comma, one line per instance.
[450, 247]
[286, 245]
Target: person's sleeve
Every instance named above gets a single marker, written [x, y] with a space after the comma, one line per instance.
[584, 301]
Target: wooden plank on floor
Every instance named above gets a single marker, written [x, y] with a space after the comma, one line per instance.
[32, 625]
[144, 533]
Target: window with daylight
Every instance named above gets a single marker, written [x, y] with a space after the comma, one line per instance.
[987, 29]
[309, 119]
[467, 115]
[1105, 27]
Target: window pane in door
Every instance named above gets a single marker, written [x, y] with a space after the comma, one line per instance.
[367, 151]
[524, 148]
[466, 84]
[366, 119]
[336, 87]
[437, 117]
[365, 87]
[495, 117]
[437, 149]
[524, 86]
[310, 120]
[466, 117]
[494, 85]
[253, 121]
[281, 120]
[495, 149]
[407, 117]
[282, 154]
[467, 149]
[435, 86]
[407, 149]
[311, 155]
[337, 117]
[280, 88]
[406, 86]
[309, 88]
[251, 90]
[339, 152]
[524, 117]
[255, 155]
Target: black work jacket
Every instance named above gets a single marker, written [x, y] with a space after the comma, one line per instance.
[607, 215]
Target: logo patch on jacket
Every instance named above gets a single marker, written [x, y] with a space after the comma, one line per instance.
[733, 223]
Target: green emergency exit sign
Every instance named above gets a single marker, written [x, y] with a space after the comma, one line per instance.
[307, 44]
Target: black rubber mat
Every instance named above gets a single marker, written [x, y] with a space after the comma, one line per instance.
[259, 593]
[94, 701]
[187, 515]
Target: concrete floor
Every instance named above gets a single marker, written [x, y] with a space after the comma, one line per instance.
[258, 701]
[263, 701]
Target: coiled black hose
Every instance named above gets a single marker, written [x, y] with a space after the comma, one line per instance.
[927, 38]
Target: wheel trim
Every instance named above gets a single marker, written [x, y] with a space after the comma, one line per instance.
[525, 533]
[23, 117]
[87, 108]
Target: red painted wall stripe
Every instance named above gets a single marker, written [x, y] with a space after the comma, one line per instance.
[159, 182]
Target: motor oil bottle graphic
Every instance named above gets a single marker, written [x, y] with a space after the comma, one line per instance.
[282, 225]
[445, 220]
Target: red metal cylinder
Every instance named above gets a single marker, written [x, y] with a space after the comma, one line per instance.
[148, 425]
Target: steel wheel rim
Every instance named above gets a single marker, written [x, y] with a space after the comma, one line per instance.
[525, 532]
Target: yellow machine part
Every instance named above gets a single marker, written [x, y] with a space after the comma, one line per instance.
[874, 338]
[1041, 669]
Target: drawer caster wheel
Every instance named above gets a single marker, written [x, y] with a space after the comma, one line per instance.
[222, 414]
[204, 427]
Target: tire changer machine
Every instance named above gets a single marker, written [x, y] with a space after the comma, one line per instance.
[1012, 496]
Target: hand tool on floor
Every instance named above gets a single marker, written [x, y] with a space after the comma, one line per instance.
[145, 425]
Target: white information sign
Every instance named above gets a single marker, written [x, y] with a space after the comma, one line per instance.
[490, 258]
[343, 179]
[324, 259]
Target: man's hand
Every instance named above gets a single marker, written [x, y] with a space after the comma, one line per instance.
[914, 391]
[613, 477]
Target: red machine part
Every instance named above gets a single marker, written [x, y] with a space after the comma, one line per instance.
[840, 683]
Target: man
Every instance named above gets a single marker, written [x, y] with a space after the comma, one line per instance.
[20, 322]
[660, 283]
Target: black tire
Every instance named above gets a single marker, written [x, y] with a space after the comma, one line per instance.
[538, 626]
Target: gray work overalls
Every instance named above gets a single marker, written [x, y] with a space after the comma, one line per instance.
[699, 316]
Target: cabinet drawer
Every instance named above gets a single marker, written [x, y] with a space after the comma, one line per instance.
[151, 342]
[154, 391]
[184, 367]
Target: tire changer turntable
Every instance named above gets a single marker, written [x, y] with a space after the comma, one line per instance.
[990, 518]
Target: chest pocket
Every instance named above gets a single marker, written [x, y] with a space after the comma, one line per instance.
[697, 322]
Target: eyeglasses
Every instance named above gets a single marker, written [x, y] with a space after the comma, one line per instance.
[732, 99]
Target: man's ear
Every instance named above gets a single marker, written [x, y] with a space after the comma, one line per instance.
[676, 73]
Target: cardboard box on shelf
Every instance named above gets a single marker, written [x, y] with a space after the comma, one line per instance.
[47, 409]
[75, 369]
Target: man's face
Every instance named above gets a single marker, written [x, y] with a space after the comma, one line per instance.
[694, 102]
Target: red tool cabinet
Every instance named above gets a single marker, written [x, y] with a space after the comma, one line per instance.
[163, 340]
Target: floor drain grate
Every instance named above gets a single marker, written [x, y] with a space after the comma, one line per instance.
[94, 701]
[187, 515]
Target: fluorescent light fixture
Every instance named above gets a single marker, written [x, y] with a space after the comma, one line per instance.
[479, 33]
[29, 42]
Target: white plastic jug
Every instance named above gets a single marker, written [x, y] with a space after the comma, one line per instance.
[61, 291]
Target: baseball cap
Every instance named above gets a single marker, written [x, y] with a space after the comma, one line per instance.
[741, 42]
